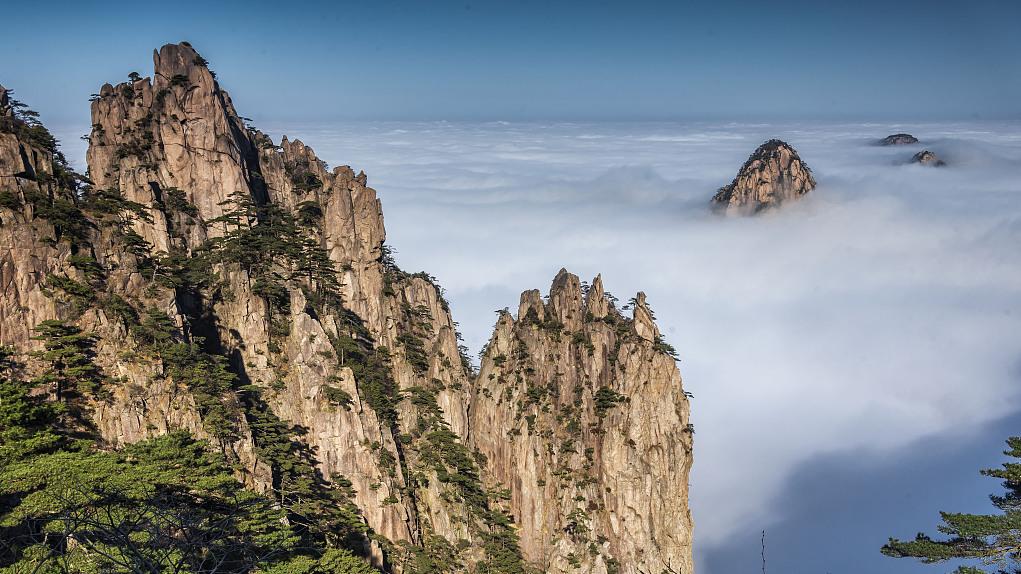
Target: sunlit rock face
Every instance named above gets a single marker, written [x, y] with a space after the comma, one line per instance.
[898, 139]
[26, 258]
[774, 174]
[177, 139]
[927, 158]
[580, 413]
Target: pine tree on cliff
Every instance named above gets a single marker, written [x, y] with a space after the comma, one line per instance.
[69, 353]
[993, 540]
[167, 504]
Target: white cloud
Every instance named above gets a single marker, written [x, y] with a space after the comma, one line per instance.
[883, 308]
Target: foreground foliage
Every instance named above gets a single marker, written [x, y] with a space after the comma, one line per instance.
[167, 504]
[992, 540]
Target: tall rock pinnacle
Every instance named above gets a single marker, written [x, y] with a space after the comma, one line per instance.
[772, 175]
[580, 413]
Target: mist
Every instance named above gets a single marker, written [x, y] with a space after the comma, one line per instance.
[880, 311]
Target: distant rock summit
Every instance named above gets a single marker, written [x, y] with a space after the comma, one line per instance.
[926, 157]
[773, 174]
[898, 139]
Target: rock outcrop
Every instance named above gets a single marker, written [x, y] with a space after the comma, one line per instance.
[26, 258]
[926, 157]
[70, 253]
[241, 290]
[898, 139]
[774, 174]
[580, 413]
[175, 145]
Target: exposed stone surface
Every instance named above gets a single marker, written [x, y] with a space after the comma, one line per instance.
[581, 414]
[23, 161]
[339, 342]
[38, 207]
[926, 157]
[180, 131]
[773, 174]
[898, 139]
[26, 257]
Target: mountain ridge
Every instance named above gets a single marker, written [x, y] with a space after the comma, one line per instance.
[239, 290]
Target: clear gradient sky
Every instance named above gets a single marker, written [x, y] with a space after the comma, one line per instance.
[309, 60]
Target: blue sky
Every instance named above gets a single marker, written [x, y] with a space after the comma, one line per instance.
[538, 60]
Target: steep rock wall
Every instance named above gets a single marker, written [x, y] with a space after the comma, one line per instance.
[580, 412]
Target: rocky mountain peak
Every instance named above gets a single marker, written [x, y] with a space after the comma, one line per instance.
[585, 421]
[645, 323]
[596, 304]
[532, 306]
[565, 301]
[173, 60]
[928, 158]
[898, 139]
[772, 175]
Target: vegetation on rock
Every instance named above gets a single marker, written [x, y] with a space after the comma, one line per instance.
[991, 540]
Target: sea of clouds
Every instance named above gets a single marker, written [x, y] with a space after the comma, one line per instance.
[882, 309]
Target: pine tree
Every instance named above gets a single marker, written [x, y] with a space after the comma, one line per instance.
[167, 504]
[993, 540]
[26, 419]
[68, 353]
[162, 505]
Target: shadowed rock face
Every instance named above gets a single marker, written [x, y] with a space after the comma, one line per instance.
[926, 157]
[898, 139]
[172, 163]
[773, 174]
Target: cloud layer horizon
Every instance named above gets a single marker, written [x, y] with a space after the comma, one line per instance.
[882, 309]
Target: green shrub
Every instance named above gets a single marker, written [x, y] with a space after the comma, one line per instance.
[338, 397]
[10, 200]
[606, 399]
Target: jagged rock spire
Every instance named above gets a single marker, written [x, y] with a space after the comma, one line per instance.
[585, 421]
[596, 305]
[173, 60]
[565, 300]
[926, 157]
[531, 306]
[645, 325]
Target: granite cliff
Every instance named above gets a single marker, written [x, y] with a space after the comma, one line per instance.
[239, 289]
